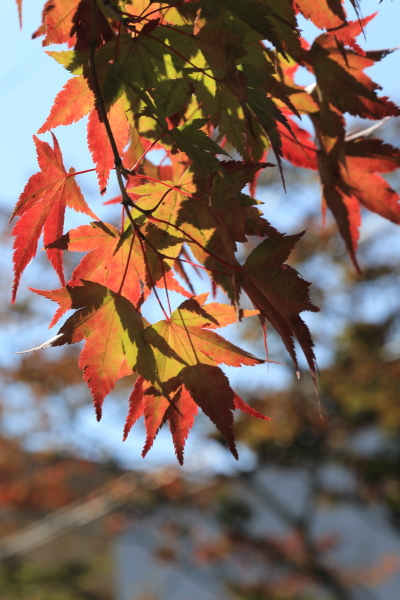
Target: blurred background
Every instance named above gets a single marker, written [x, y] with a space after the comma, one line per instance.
[312, 508]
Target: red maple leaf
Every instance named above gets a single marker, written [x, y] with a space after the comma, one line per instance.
[71, 104]
[59, 20]
[41, 208]
[118, 260]
[99, 143]
[325, 14]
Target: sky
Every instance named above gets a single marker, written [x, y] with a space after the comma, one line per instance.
[29, 81]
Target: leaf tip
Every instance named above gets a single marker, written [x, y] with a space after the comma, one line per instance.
[99, 412]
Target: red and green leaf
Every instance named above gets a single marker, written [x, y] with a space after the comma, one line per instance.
[112, 330]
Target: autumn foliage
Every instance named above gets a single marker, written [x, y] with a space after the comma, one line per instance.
[202, 80]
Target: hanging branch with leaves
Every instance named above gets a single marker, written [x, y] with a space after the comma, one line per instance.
[199, 79]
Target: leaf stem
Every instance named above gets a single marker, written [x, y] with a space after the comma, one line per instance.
[128, 260]
[135, 166]
[142, 239]
[167, 7]
[172, 187]
[80, 172]
[199, 69]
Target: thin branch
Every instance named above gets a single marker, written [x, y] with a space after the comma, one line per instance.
[72, 174]
[99, 102]
[128, 260]
[142, 239]
[118, 16]
[120, 170]
[135, 166]
[166, 287]
[161, 255]
[155, 220]
[167, 7]
[126, 201]
[172, 187]
[364, 132]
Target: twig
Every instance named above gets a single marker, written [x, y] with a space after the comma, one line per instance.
[363, 133]
[143, 239]
[99, 102]
[167, 7]
[128, 22]
[119, 168]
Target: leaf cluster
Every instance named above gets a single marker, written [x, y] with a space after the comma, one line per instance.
[198, 80]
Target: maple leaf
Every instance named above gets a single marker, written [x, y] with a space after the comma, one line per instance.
[364, 159]
[202, 150]
[141, 62]
[70, 105]
[279, 293]
[358, 183]
[112, 328]
[41, 208]
[301, 151]
[325, 14]
[116, 260]
[343, 83]
[345, 87]
[99, 143]
[180, 411]
[59, 21]
[65, 20]
[176, 344]
[185, 211]
[194, 365]
[117, 342]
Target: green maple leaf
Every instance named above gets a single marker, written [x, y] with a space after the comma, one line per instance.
[202, 150]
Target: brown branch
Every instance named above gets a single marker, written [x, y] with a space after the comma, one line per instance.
[99, 102]
[142, 240]
[168, 7]
[119, 168]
